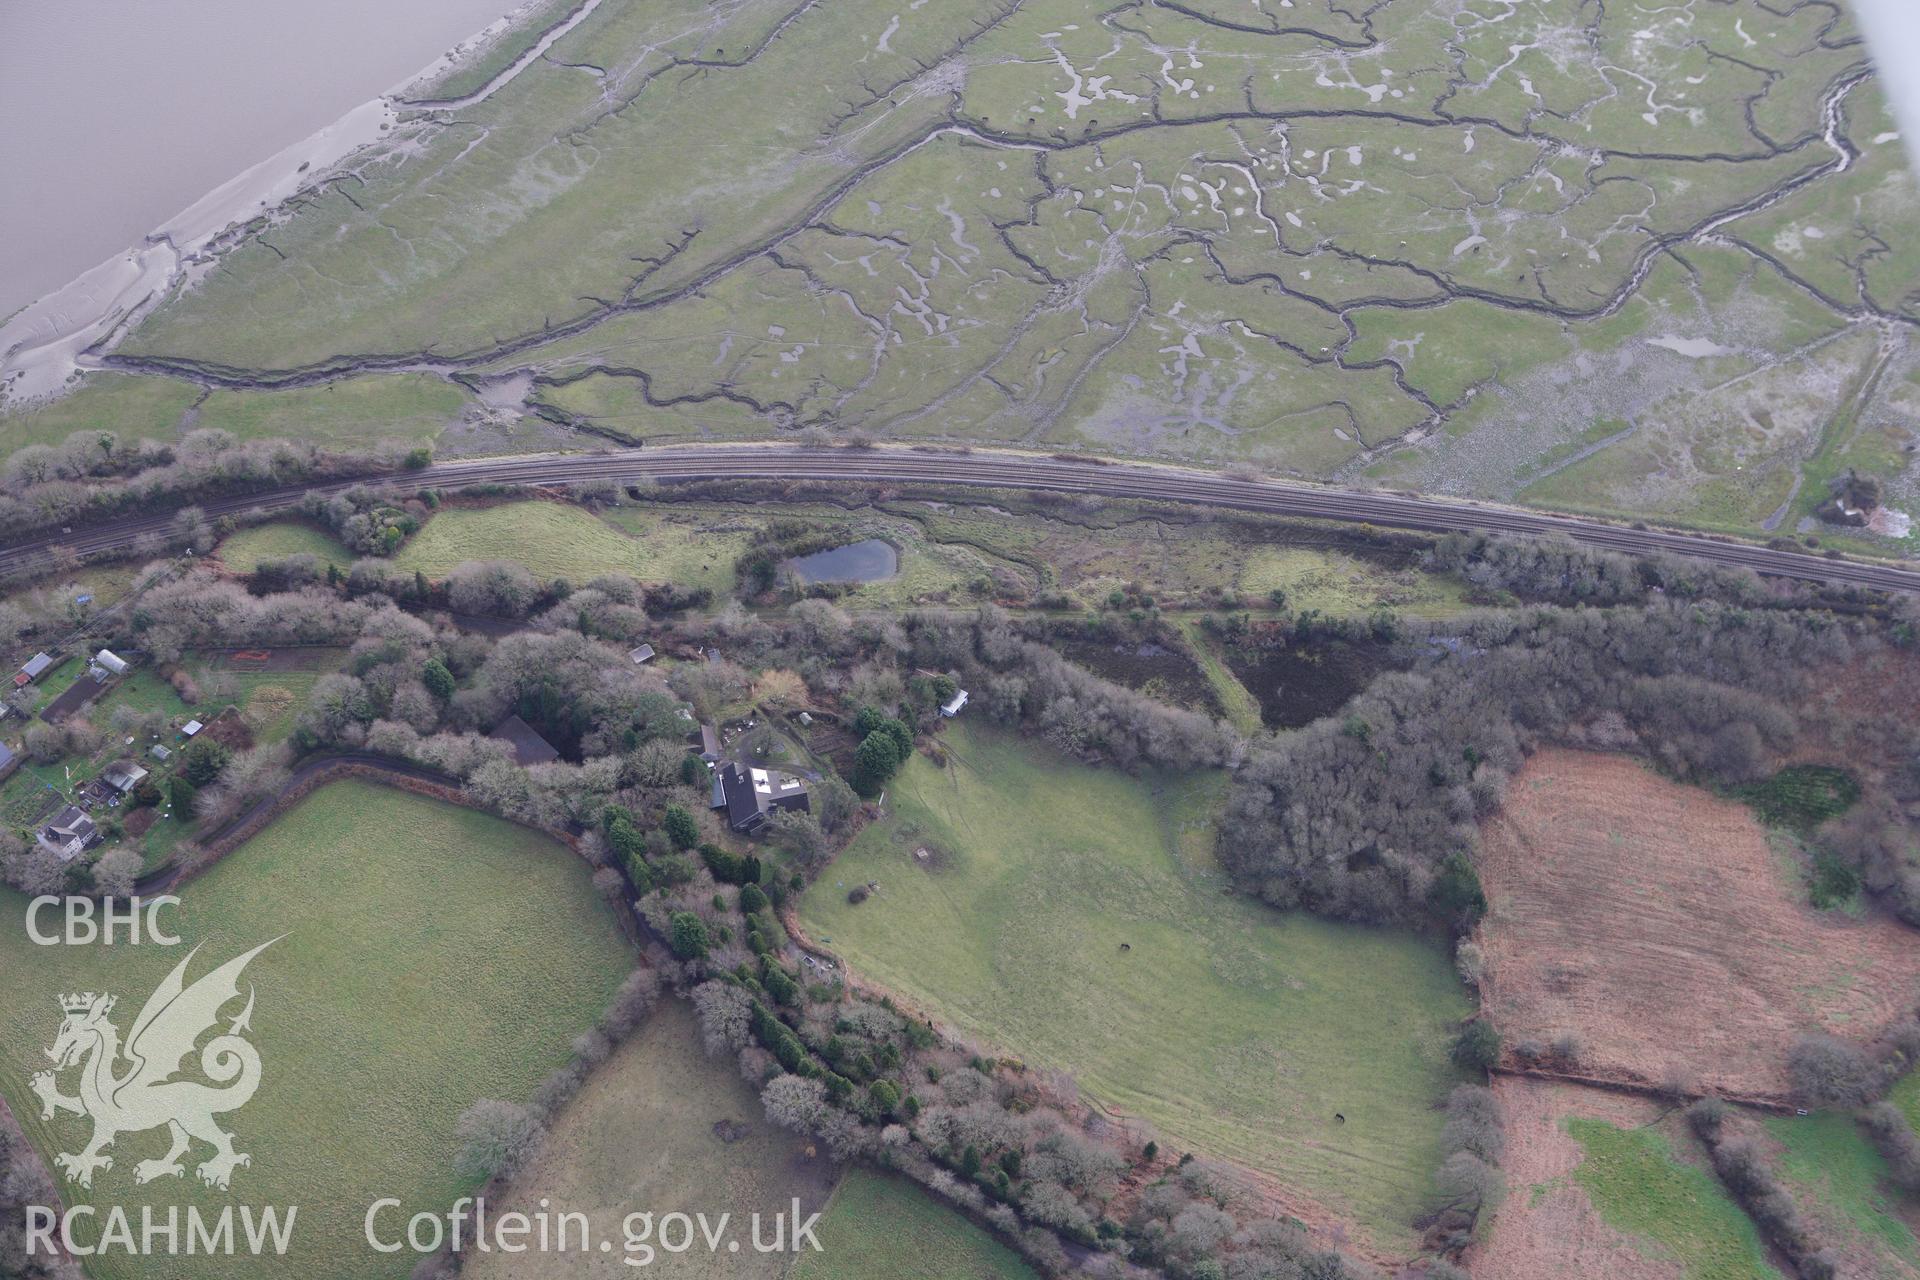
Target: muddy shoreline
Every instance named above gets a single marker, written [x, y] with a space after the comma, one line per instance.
[46, 342]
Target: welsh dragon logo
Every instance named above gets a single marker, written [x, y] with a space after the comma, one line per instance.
[145, 1094]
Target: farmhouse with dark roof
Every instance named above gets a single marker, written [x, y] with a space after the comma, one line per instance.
[751, 797]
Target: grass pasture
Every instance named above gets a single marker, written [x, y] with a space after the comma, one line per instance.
[1604, 1185]
[247, 549]
[882, 1228]
[132, 406]
[347, 413]
[662, 1128]
[1235, 1031]
[1834, 1172]
[557, 540]
[431, 956]
[1905, 1094]
[1332, 582]
[1641, 1187]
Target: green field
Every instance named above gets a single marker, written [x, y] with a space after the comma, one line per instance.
[1835, 1172]
[1333, 583]
[1905, 1094]
[1236, 1031]
[1242, 709]
[885, 1228]
[431, 956]
[645, 1135]
[349, 413]
[245, 550]
[556, 540]
[1642, 1188]
[130, 406]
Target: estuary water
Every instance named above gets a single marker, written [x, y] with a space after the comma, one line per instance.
[115, 115]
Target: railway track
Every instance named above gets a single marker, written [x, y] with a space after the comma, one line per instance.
[1003, 470]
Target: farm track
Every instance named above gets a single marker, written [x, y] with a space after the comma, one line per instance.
[1002, 470]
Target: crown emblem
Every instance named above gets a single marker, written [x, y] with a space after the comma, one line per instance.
[80, 1003]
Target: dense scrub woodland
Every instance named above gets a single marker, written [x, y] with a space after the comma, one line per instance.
[1359, 814]
[525, 696]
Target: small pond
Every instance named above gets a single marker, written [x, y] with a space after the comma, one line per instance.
[870, 560]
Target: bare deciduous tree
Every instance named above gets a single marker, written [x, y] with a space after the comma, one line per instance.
[495, 1138]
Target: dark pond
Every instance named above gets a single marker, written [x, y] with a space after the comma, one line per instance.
[870, 560]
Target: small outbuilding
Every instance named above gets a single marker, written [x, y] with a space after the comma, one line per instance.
[190, 728]
[35, 667]
[159, 751]
[954, 705]
[123, 775]
[710, 745]
[110, 662]
[640, 654]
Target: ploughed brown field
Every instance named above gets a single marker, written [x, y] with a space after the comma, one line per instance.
[1654, 923]
[1548, 1225]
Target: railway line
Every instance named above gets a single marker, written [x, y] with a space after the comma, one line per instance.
[1007, 470]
